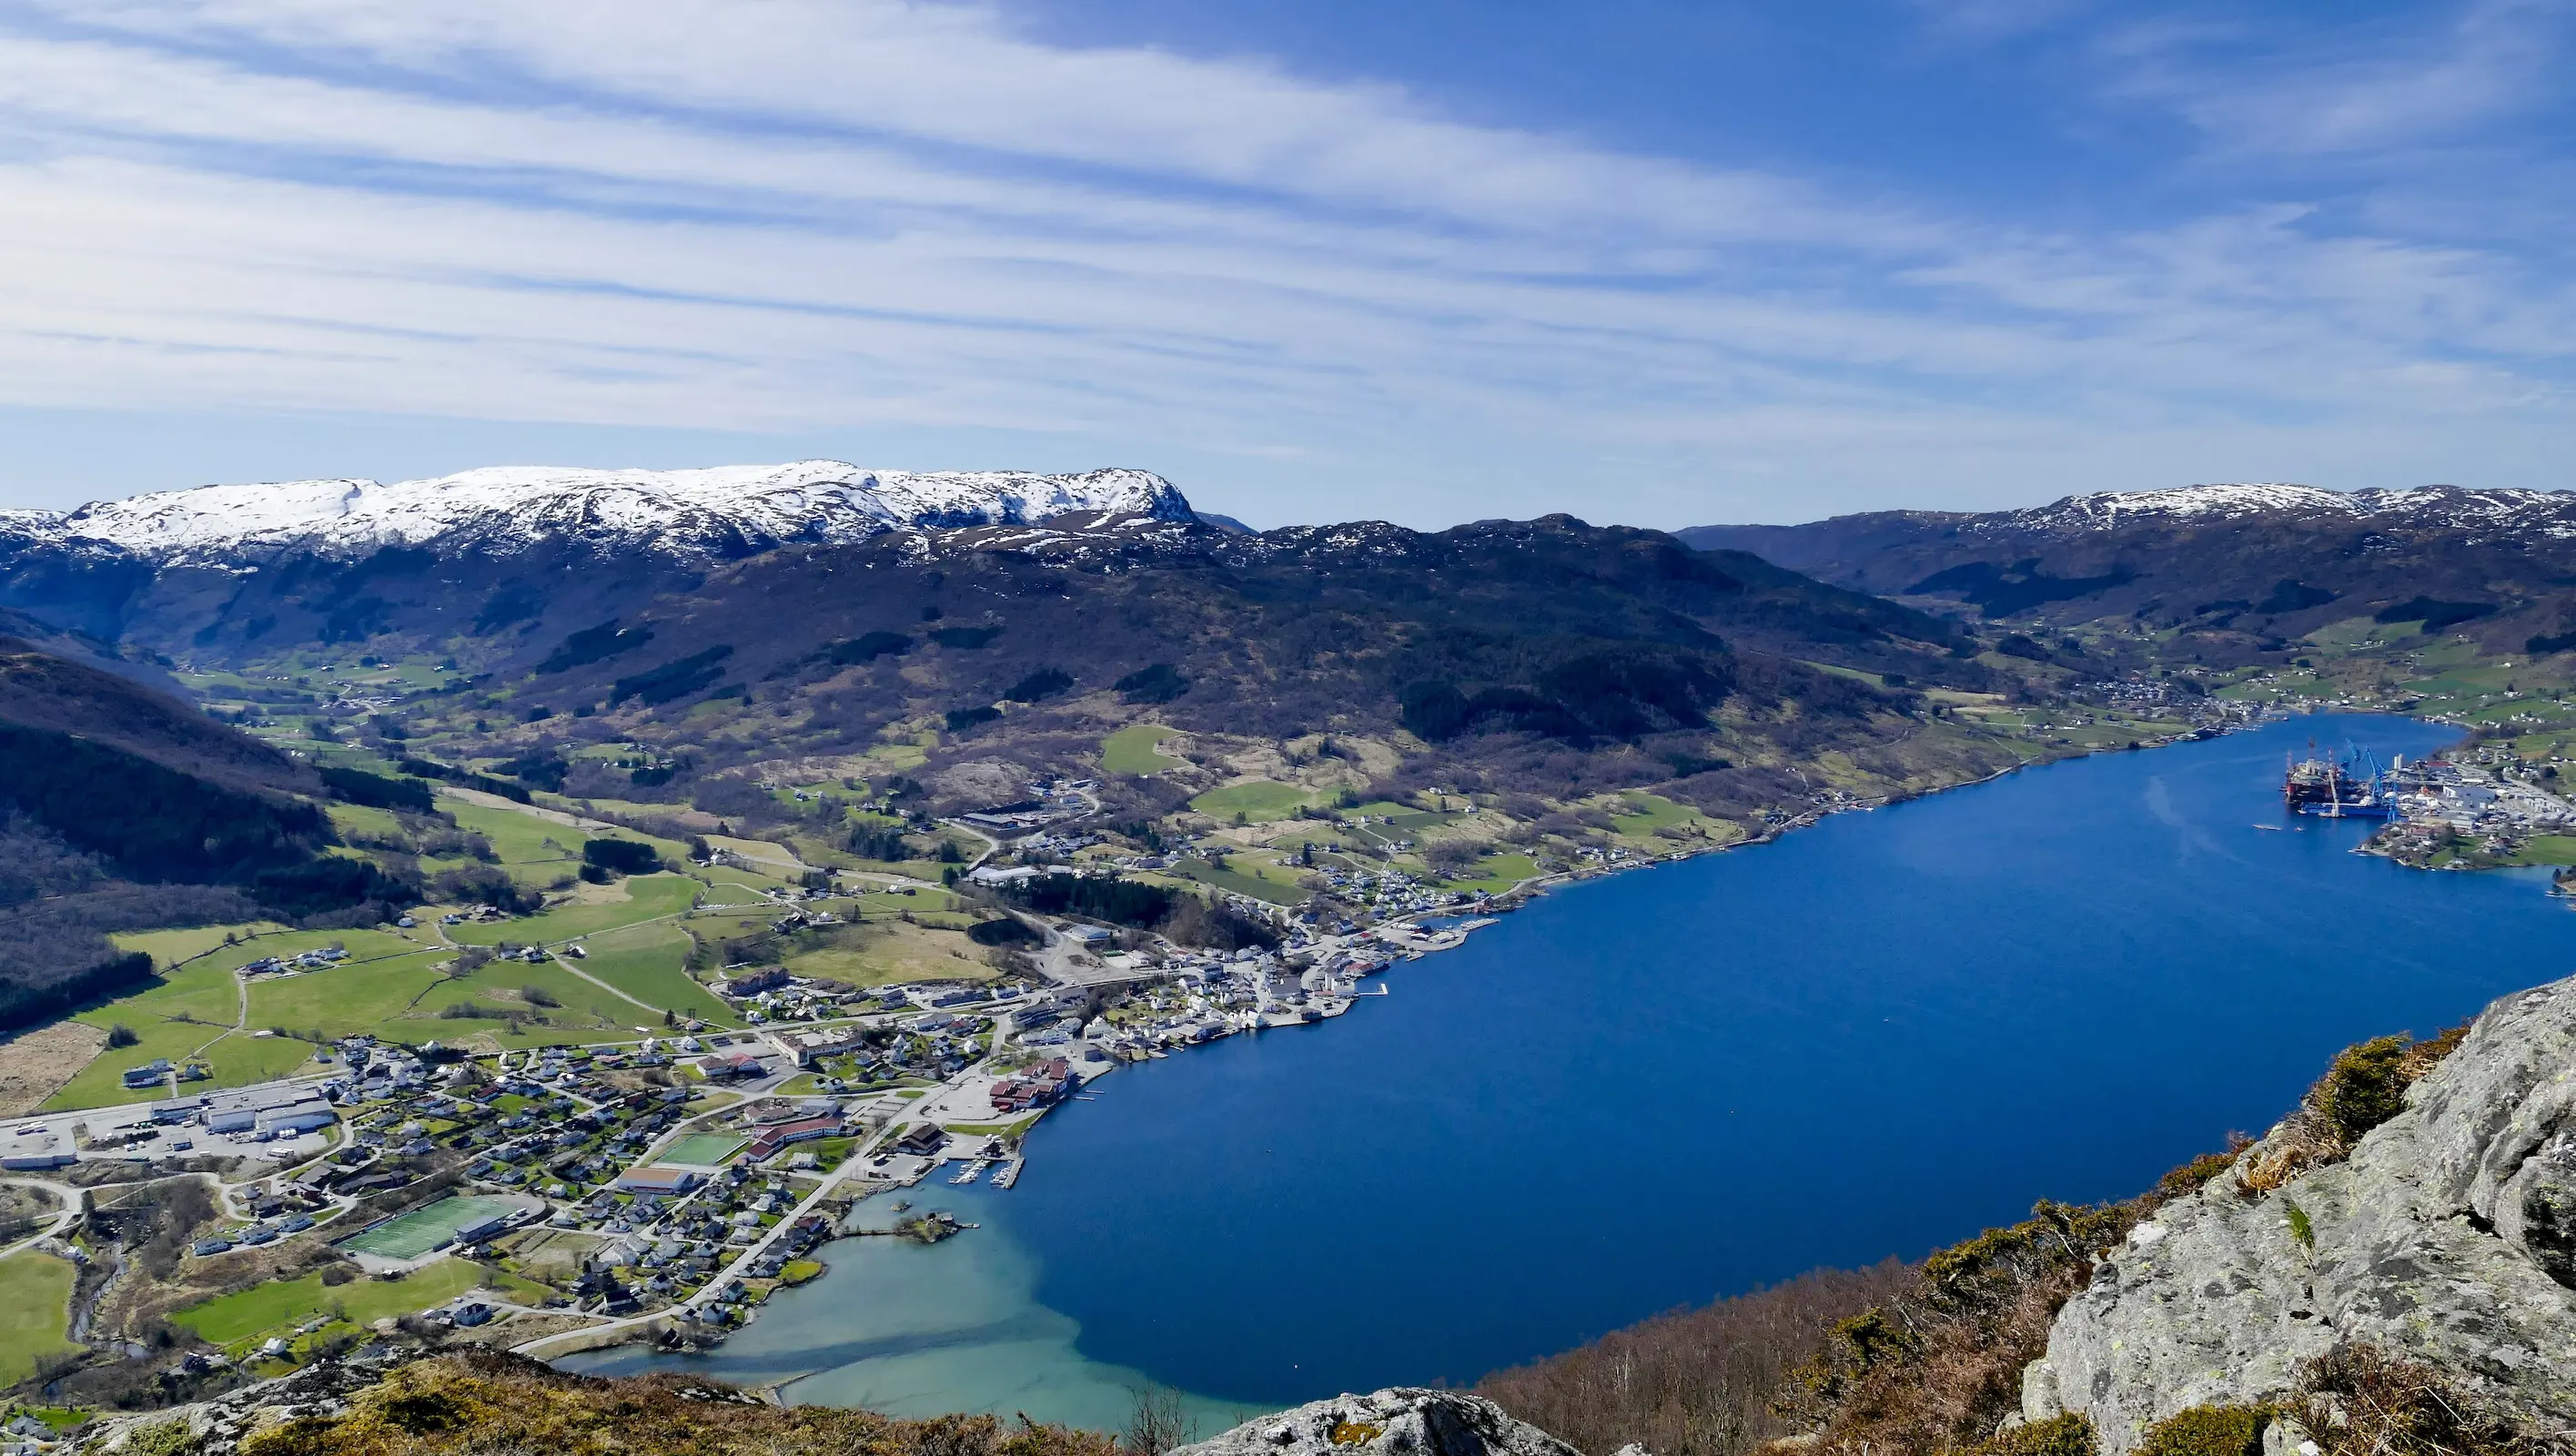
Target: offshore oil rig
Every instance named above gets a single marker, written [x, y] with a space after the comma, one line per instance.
[2351, 785]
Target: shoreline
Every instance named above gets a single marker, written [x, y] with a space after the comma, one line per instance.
[2216, 786]
[658, 1326]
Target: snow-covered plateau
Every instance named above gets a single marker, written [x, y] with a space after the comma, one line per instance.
[723, 511]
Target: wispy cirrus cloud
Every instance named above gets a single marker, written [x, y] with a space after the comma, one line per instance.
[792, 216]
[2400, 83]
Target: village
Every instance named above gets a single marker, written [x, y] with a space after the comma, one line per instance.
[661, 1188]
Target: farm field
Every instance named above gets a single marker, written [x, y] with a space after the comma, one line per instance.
[644, 897]
[242, 1058]
[1273, 884]
[538, 1005]
[1132, 749]
[170, 947]
[885, 952]
[250, 1315]
[533, 851]
[1497, 873]
[35, 1312]
[1259, 802]
[345, 1000]
[170, 1020]
[649, 963]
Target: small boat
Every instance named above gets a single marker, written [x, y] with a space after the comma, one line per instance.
[2275, 828]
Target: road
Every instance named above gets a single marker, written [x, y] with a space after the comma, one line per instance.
[64, 1193]
[706, 1294]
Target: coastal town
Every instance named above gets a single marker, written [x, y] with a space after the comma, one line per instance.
[661, 1187]
[486, 1173]
[553, 1193]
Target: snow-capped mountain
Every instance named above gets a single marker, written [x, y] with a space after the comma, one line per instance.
[2283, 558]
[2425, 506]
[720, 512]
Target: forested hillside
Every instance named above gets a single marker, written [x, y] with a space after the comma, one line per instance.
[120, 809]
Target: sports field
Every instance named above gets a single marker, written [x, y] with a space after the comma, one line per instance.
[701, 1150]
[410, 1235]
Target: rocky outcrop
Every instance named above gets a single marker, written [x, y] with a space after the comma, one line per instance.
[2447, 1237]
[1398, 1422]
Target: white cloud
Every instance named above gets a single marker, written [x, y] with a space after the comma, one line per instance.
[789, 217]
[2369, 89]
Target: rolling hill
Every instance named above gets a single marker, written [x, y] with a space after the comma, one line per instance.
[1002, 616]
[2243, 570]
[122, 808]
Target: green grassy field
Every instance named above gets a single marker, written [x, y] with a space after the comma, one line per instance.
[649, 962]
[2548, 849]
[1241, 882]
[191, 1011]
[410, 1235]
[99, 1084]
[345, 1000]
[533, 851]
[882, 954]
[647, 897]
[241, 1059]
[358, 821]
[582, 1011]
[1258, 803]
[1131, 750]
[1647, 813]
[170, 947]
[253, 1314]
[203, 991]
[702, 1150]
[35, 1311]
[738, 886]
[1497, 873]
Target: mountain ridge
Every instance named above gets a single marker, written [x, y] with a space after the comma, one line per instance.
[2261, 565]
[716, 512]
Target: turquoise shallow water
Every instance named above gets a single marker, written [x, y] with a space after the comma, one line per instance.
[1874, 1037]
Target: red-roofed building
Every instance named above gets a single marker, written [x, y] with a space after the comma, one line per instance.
[1042, 1086]
[779, 1135]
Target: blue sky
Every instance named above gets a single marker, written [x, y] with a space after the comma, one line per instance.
[1663, 263]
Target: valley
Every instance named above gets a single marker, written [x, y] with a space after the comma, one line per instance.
[794, 843]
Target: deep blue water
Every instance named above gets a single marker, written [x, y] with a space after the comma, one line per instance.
[1873, 1037]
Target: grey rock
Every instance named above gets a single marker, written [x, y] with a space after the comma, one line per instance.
[2039, 1399]
[2286, 1437]
[1400, 1422]
[2449, 1236]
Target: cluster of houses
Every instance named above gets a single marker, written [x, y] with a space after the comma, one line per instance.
[1212, 996]
[1043, 1085]
[311, 960]
[1392, 891]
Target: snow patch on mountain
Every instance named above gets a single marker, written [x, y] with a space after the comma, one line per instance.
[724, 511]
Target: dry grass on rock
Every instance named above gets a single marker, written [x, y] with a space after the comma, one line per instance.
[481, 1402]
